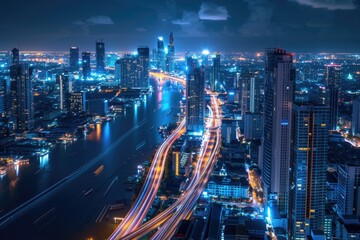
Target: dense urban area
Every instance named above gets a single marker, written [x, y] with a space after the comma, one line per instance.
[244, 145]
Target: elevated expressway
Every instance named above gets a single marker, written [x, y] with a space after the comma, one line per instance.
[167, 221]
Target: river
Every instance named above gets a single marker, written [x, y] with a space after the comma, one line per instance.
[66, 174]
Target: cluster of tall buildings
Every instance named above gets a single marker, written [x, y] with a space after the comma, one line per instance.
[16, 98]
[74, 63]
[165, 57]
[132, 70]
[294, 159]
[294, 135]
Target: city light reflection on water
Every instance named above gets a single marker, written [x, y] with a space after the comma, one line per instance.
[16, 167]
[43, 160]
[107, 134]
[98, 132]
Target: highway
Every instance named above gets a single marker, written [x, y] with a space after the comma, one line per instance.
[138, 210]
[130, 227]
[207, 161]
[170, 218]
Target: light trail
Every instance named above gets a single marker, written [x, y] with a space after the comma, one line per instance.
[171, 217]
[137, 213]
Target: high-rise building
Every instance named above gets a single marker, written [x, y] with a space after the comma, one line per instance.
[4, 97]
[21, 109]
[143, 59]
[100, 57]
[205, 58]
[74, 59]
[170, 58]
[308, 167]
[160, 54]
[250, 92]
[15, 56]
[279, 81]
[77, 102]
[65, 87]
[253, 126]
[128, 71]
[333, 74]
[117, 74]
[195, 97]
[86, 69]
[355, 121]
[215, 76]
[348, 202]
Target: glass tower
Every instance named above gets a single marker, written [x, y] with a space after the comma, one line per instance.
[195, 99]
[74, 59]
[279, 81]
[308, 168]
[100, 57]
[86, 70]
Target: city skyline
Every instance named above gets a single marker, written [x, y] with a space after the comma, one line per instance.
[218, 25]
[172, 119]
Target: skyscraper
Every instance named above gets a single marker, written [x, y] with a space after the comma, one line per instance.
[308, 169]
[279, 81]
[100, 57]
[86, 70]
[117, 74]
[74, 59]
[128, 71]
[4, 91]
[21, 108]
[170, 64]
[143, 58]
[195, 99]
[77, 102]
[355, 118]
[333, 74]
[205, 57]
[15, 56]
[348, 202]
[215, 76]
[250, 91]
[160, 54]
[65, 87]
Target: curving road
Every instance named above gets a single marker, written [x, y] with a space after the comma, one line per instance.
[171, 217]
[138, 210]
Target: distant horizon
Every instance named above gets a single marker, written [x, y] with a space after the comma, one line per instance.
[184, 51]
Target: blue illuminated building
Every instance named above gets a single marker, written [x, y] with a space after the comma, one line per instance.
[195, 97]
[279, 83]
[308, 169]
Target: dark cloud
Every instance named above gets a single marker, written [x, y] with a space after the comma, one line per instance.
[260, 21]
[224, 25]
[190, 25]
[329, 4]
[210, 11]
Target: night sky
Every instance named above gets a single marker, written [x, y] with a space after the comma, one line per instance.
[227, 25]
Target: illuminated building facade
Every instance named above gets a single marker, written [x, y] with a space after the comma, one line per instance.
[195, 97]
[333, 75]
[74, 59]
[100, 57]
[21, 109]
[308, 169]
[86, 69]
[279, 83]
